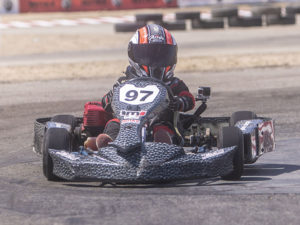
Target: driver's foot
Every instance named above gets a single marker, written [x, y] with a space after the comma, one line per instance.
[90, 143]
[103, 140]
[163, 136]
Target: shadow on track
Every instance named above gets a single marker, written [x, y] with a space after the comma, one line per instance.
[269, 170]
[170, 184]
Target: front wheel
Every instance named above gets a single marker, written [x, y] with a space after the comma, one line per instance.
[228, 137]
[58, 139]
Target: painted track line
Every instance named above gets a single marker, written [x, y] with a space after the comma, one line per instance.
[66, 22]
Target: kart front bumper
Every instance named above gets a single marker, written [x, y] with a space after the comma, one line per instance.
[153, 162]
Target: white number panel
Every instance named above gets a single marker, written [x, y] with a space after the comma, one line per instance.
[133, 95]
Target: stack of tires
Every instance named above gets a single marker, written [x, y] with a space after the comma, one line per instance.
[257, 16]
[143, 19]
[276, 16]
[197, 22]
[218, 18]
[233, 18]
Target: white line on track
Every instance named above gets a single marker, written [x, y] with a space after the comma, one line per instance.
[66, 22]
[19, 24]
[74, 22]
[93, 21]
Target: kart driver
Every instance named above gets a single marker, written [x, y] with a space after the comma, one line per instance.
[152, 52]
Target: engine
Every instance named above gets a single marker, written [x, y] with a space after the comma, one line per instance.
[94, 119]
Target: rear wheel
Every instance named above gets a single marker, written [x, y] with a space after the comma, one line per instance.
[66, 119]
[58, 139]
[241, 115]
[228, 137]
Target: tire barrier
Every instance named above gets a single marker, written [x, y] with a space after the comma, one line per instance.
[144, 18]
[208, 24]
[187, 15]
[220, 18]
[245, 22]
[292, 10]
[128, 27]
[225, 12]
[259, 11]
[280, 20]
[177, 25]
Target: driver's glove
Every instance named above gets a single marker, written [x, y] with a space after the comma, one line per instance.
[176, 104]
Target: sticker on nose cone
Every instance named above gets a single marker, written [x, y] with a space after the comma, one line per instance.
[133, 95]
[132, 114]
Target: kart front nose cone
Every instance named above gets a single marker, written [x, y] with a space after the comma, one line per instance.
[144, 166]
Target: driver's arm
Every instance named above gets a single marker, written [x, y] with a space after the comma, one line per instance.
[185, 99]
[107, 98]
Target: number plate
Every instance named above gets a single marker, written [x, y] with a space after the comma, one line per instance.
[133, 95]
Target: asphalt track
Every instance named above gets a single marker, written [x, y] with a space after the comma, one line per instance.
[268, 193]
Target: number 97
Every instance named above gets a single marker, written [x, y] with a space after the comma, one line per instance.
[131, 95]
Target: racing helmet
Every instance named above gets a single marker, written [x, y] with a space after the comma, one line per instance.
[152, 52]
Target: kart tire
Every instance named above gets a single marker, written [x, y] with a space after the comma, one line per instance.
[261, 10]
[55, 138]
[245, 22]
[156, 17]
[208, 24]
[224, 12]
[66, 119]
[280, 20]
[233, 136]
[241, 115]
[39, 132]
[187, 15]
[178, 25]
[128, 27]
[292, 10]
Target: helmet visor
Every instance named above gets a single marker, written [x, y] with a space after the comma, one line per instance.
[154, 55]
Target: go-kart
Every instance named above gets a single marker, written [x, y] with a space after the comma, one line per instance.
[207, 146]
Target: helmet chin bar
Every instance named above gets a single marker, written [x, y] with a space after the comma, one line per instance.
[156, 72]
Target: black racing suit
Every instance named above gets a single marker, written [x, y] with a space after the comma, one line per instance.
[178, 88]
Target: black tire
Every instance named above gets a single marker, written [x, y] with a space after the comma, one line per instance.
[225, 12]
[233, 136]
[187, 15]
[156, 17]
[245, 22]
[39, 132]
[259, 11]
[292, 10]
[241, 115]
[208, 24]
[280, 20]
[66, 119]
[128, 27]
[55, 138]
[178, 25]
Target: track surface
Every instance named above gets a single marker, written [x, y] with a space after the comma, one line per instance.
[268, 193]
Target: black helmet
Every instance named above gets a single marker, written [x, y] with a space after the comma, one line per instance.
[152, 52]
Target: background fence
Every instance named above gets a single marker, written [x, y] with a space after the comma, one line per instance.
[23, 6]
